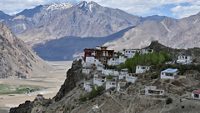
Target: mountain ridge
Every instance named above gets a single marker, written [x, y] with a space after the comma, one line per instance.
[38, 25]
[182, 33]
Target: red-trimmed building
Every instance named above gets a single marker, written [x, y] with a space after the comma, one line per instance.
[100, 53]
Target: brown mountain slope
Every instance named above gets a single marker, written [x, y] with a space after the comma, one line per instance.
[183, 33]
[15, 58]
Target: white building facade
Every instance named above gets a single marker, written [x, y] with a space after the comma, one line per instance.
[142, 69]
[99, 80]
[116, 61]
[183, 59]
[169, 74]
[131, 79]
[88, 86]
[130, 53]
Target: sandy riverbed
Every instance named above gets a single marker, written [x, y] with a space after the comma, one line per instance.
[52, 82]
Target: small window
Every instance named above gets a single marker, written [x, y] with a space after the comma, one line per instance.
[196, 95]
[143, 68]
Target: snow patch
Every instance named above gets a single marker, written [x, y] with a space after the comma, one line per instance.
[60, 6]
[90, 7]
[20, 17]
[196, 21]
[83, 4]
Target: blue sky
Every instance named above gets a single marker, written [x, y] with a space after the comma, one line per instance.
[171, 8]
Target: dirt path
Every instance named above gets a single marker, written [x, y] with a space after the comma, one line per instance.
[51, 81]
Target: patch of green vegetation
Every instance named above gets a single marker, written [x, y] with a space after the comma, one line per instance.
[109, 77]
[94, 93]
[155, 58]
[21, 89]
[169, 100]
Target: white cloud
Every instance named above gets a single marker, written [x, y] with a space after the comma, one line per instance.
[145, 7]
[185, 11]
[182, 11]
[136, 7]
[12, 6]
[139, 7]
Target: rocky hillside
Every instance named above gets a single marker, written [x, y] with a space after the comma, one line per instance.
[132, 100]
[183, 33]
[16, 59]
[85, 19]
[74, 76]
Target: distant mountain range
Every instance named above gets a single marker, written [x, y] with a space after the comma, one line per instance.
[58, 24]
[182, 33]
[47, 22]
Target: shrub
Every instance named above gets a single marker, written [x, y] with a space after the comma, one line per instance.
[154, 75]
[109, 77]
[169, 100]
[94, 93]
[155, 58]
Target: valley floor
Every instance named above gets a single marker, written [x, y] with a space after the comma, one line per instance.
[50, 82]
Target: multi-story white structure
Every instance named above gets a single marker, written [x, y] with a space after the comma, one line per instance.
[111, 83]
[129, 53]
[146, 51]
[99, 80]
[131, 79]
[123, 73]
[86, 70]
[116, 61]
[142, 69]
[110, 72]
[183, 59]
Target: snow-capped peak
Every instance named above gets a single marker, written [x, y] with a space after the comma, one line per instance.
[87, 5]
[83, 4]
[56, 6]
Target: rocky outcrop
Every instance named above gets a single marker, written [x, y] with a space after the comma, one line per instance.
[74, 76]
[23, 108]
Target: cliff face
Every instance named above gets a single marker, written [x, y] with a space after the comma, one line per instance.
[74, 76]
